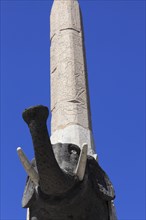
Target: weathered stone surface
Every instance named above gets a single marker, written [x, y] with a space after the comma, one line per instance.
[69, 90]
[71, 185]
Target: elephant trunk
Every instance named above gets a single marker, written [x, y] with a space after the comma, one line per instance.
[52, 180]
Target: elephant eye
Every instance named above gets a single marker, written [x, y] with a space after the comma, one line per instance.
[73, 152]
[73, 149]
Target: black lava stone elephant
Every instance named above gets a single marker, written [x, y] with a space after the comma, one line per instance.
[63, 193]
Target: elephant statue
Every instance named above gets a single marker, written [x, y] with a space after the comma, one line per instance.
[61, 192]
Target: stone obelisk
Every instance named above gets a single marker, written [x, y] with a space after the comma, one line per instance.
[71, 119]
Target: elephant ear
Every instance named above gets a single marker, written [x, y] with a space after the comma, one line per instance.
[29, 191]
[100, 180]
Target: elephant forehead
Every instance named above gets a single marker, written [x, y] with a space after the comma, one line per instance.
[66, 154]
[61, 151]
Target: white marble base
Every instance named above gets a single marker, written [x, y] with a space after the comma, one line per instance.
[75, 134]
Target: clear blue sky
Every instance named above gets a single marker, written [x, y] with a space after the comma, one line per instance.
[115, 50]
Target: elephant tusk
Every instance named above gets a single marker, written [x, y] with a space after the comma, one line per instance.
[81, 166]
[28, 167]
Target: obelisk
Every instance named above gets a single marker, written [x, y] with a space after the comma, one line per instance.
[71, 119]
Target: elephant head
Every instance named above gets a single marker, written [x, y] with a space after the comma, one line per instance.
[71, 185]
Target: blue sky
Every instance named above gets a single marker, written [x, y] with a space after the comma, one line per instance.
[115, 51]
